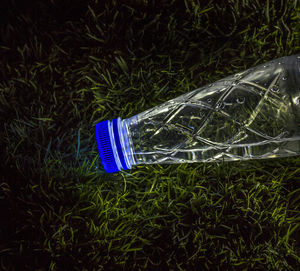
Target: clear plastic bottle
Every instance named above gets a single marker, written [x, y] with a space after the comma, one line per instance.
[253, 114]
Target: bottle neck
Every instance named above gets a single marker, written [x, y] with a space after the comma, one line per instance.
[126, 142]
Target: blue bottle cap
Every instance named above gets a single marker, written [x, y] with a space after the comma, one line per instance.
[110, 147]
[105, 147]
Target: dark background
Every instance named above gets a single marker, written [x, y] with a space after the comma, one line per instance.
[62, 70]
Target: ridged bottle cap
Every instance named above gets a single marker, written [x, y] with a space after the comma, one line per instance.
[105, 147]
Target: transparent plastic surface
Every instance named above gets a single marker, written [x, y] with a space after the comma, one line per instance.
[254, 114]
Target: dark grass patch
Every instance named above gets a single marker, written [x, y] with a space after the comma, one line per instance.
[67, 65]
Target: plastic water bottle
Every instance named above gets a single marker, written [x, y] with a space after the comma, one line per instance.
[254, 114]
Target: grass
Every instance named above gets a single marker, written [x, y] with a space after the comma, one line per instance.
[67, 65]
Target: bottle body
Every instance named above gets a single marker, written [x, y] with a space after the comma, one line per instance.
[254, 114]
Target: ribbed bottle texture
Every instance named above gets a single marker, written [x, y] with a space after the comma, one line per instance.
[254, 114]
